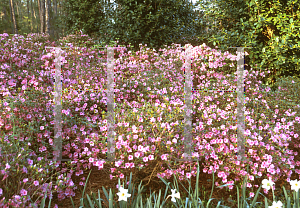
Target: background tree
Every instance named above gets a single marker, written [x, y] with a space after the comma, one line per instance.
[84, 15]
[54, 18]
[41, 4]
[47, 17]
[270, 27]
[13, 16]
[40, 14]
[28, 20]
[153, 22]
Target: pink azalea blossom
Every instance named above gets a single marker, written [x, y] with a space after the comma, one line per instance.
[23, 192]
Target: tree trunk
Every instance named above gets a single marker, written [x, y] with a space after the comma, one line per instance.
[43, 12]
[28, 20]
[31, 14]
[60, 13]
[19, 12]
[47, 17]
[55, 7]
[13, 17]
[54, 18]
[40, 13]
[41, 5]
[37, 25]
[17, 6]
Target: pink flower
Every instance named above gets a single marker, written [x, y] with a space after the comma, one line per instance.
[30, 162]
[121, 175]
[145, 159]
[61, 196]
[164, 157]
[24, 82]
[152, 119]
[221, 174]
[130, 157]
[25, 180]
[188, 175]
[23, 192]
[36, 183]
[136, 154]
[140, 148]
[134, 129]
[7, 127]
[17, 197]
[151, 157]
[11, 82]
[42, 127]
[44, 148]
[224, 180]
[24, 169]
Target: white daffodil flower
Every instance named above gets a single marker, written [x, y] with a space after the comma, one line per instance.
[295, 185]
[177, 195]
[276, 205]
[123, 194]
[267, 183]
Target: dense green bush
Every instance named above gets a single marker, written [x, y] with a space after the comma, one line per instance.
[269, 27]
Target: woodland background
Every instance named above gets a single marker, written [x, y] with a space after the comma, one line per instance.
[270, 27]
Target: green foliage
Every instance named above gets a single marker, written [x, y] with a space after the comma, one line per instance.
[269, 27]
[154, 23]
[83, 15]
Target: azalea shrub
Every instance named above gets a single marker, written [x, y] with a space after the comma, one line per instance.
[149, 114]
